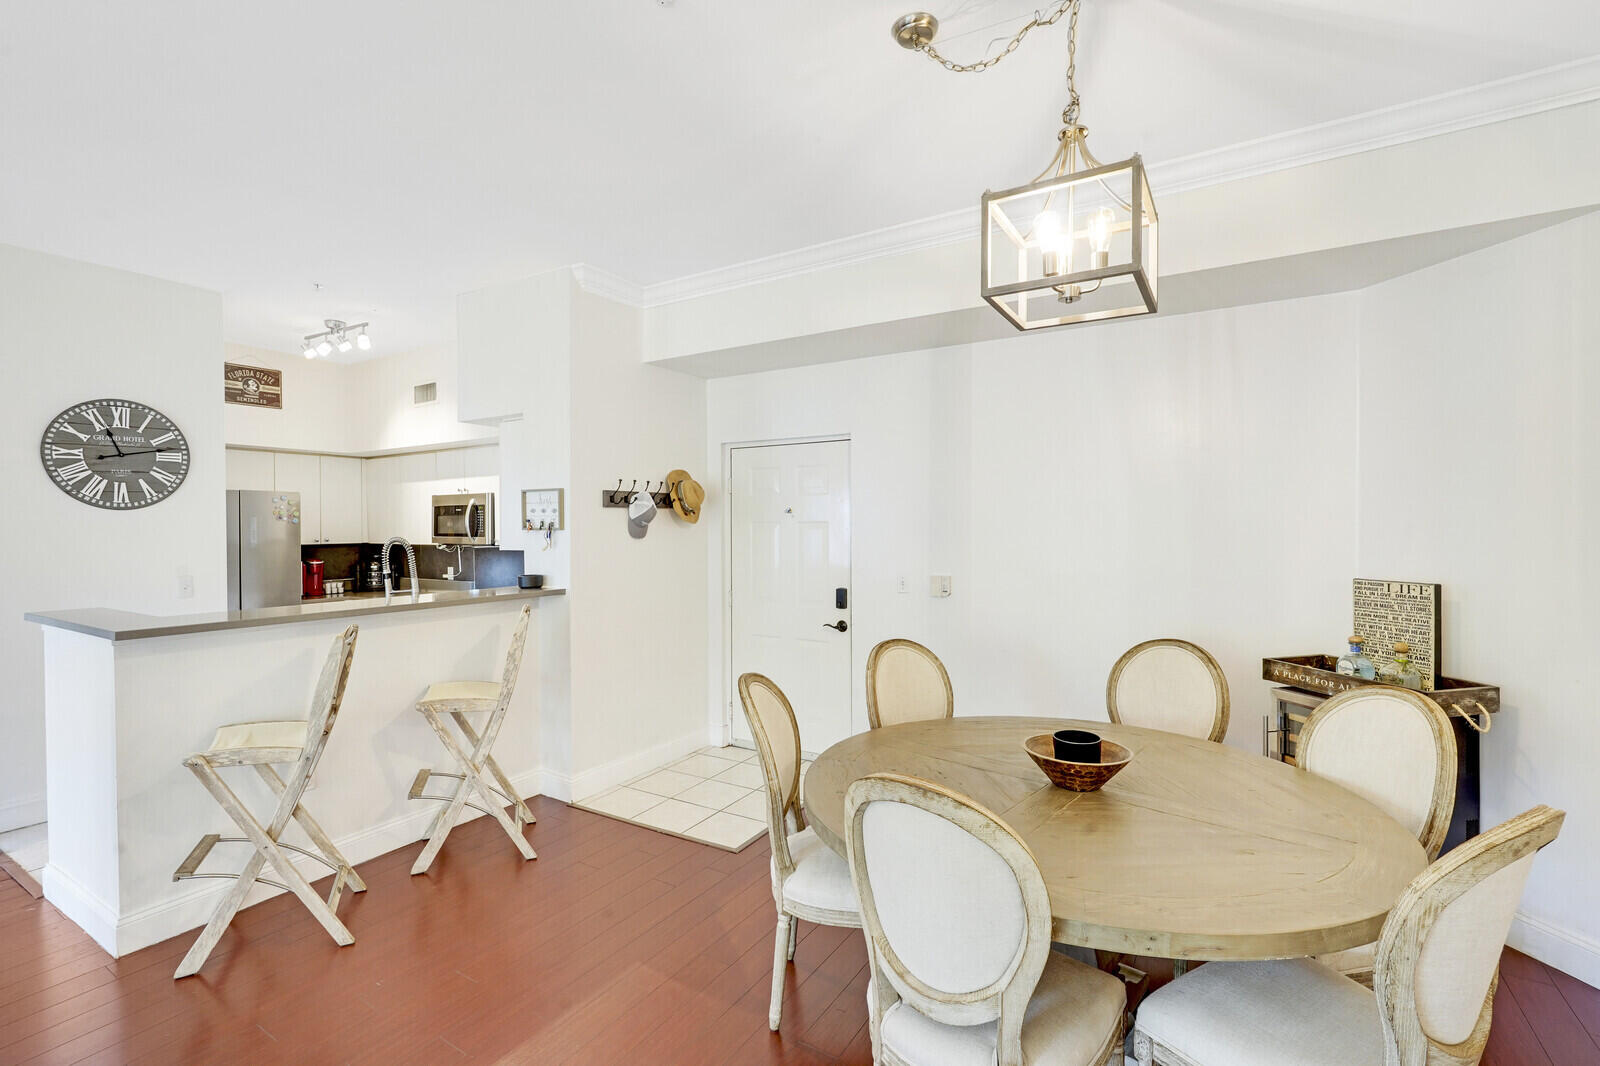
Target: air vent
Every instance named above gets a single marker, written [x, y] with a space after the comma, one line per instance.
[421, 394]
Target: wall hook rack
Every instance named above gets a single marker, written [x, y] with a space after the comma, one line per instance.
[621, 497]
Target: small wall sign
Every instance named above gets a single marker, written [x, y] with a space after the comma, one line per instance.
[1389, 611]
[252, 386]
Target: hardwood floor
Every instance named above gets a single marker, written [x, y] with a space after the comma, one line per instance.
[617, 945]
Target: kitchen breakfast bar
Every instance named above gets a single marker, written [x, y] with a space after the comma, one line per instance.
[129, 696]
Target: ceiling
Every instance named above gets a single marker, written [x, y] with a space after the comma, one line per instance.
[400, 154]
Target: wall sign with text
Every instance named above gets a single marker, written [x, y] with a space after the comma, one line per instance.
[1389, 611]
[252, 386]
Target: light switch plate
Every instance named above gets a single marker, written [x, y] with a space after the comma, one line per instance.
[185, 586]
[939, 586]
[903, 585]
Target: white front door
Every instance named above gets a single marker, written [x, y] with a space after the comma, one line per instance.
[790, 555]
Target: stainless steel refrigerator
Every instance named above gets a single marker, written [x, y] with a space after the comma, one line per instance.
[263, 549]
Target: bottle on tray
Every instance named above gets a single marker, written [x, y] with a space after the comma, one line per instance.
[1402, 672]
[1355, 662]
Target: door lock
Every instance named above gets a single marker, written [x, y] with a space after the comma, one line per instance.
[841, 625]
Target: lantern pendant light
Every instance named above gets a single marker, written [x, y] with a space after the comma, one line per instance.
[1078, 242]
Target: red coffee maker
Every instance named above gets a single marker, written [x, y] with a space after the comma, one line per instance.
[311, 578]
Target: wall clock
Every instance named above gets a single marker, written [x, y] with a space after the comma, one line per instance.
[115, 454]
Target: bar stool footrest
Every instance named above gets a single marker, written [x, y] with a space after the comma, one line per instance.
[187, 868]
[420, 782]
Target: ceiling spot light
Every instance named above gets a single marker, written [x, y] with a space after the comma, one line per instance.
[337, 334]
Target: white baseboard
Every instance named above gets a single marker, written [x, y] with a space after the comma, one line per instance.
[597, 779]
[89, 912]
[19, 813]
[555, 784]
[1569, 952]
[190, 907]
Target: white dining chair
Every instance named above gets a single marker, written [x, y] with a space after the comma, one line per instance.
[958, 939]
[809, 881]
[1437, 971]
[906, 683]
[260, 745]
[1395, 749]
[472, 752]
[1171, 685]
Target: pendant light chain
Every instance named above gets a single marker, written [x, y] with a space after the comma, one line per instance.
[1057, 13]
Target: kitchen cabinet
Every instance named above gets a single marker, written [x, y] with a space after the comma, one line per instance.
[347, 500]
[342, 499]
[293, 472]
[249, 470]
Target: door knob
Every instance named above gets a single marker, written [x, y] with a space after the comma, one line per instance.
[841, 625]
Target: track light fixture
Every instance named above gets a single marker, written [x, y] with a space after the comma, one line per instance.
[338, 334]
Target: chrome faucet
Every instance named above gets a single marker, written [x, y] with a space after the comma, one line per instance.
[411, 567]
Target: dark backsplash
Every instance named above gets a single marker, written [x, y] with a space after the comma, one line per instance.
[485, 567]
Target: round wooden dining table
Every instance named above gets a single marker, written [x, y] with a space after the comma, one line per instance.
[1195, 850]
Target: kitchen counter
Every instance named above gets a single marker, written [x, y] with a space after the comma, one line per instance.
[129, 696]
[119, 626]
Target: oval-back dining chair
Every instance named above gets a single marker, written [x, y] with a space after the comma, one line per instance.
[1437, 972]
[809, 880]
[1395, 749]
[958, 938]
[1171, 685]
[906, 683]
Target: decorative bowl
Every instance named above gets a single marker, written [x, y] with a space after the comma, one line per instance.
[1077, 776]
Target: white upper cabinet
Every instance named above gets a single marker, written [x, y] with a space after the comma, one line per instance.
[249, 470]
[293, 472]
[343, 501]
[346, 500]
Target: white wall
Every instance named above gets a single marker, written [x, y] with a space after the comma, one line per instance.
[70, 332]
[1480, 469]
[637, 606]
[351, 408]
[320, 412]
[1085, 490]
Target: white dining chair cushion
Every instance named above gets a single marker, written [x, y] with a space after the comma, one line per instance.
[958, 931]
[1292, 1012]
[1383, 749]
[1074, 1011]
[1168, 688]
[1459, 956]
[821, 878]
[909, 687]
[459, 691]
[260, 735]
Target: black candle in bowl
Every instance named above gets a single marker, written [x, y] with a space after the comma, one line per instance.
[1077, 745]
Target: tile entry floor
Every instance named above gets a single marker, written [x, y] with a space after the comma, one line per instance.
[715, 796]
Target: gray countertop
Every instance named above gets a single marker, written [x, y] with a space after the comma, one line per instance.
[115, 625]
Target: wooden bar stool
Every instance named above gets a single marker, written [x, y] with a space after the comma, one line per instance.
[259, 745]
[459, 699]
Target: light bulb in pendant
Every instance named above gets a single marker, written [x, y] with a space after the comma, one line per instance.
[1100, 223]
[1055, 243]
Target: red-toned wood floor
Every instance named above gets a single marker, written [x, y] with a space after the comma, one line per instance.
[618, 945]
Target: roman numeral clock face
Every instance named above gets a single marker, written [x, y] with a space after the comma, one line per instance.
[115, 454]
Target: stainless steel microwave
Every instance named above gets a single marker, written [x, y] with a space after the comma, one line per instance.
[467, 518]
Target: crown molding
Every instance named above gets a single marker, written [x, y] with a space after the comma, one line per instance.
[1572, 83]
[599, 282]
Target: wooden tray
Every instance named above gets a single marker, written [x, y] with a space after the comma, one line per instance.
[1315, 673]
